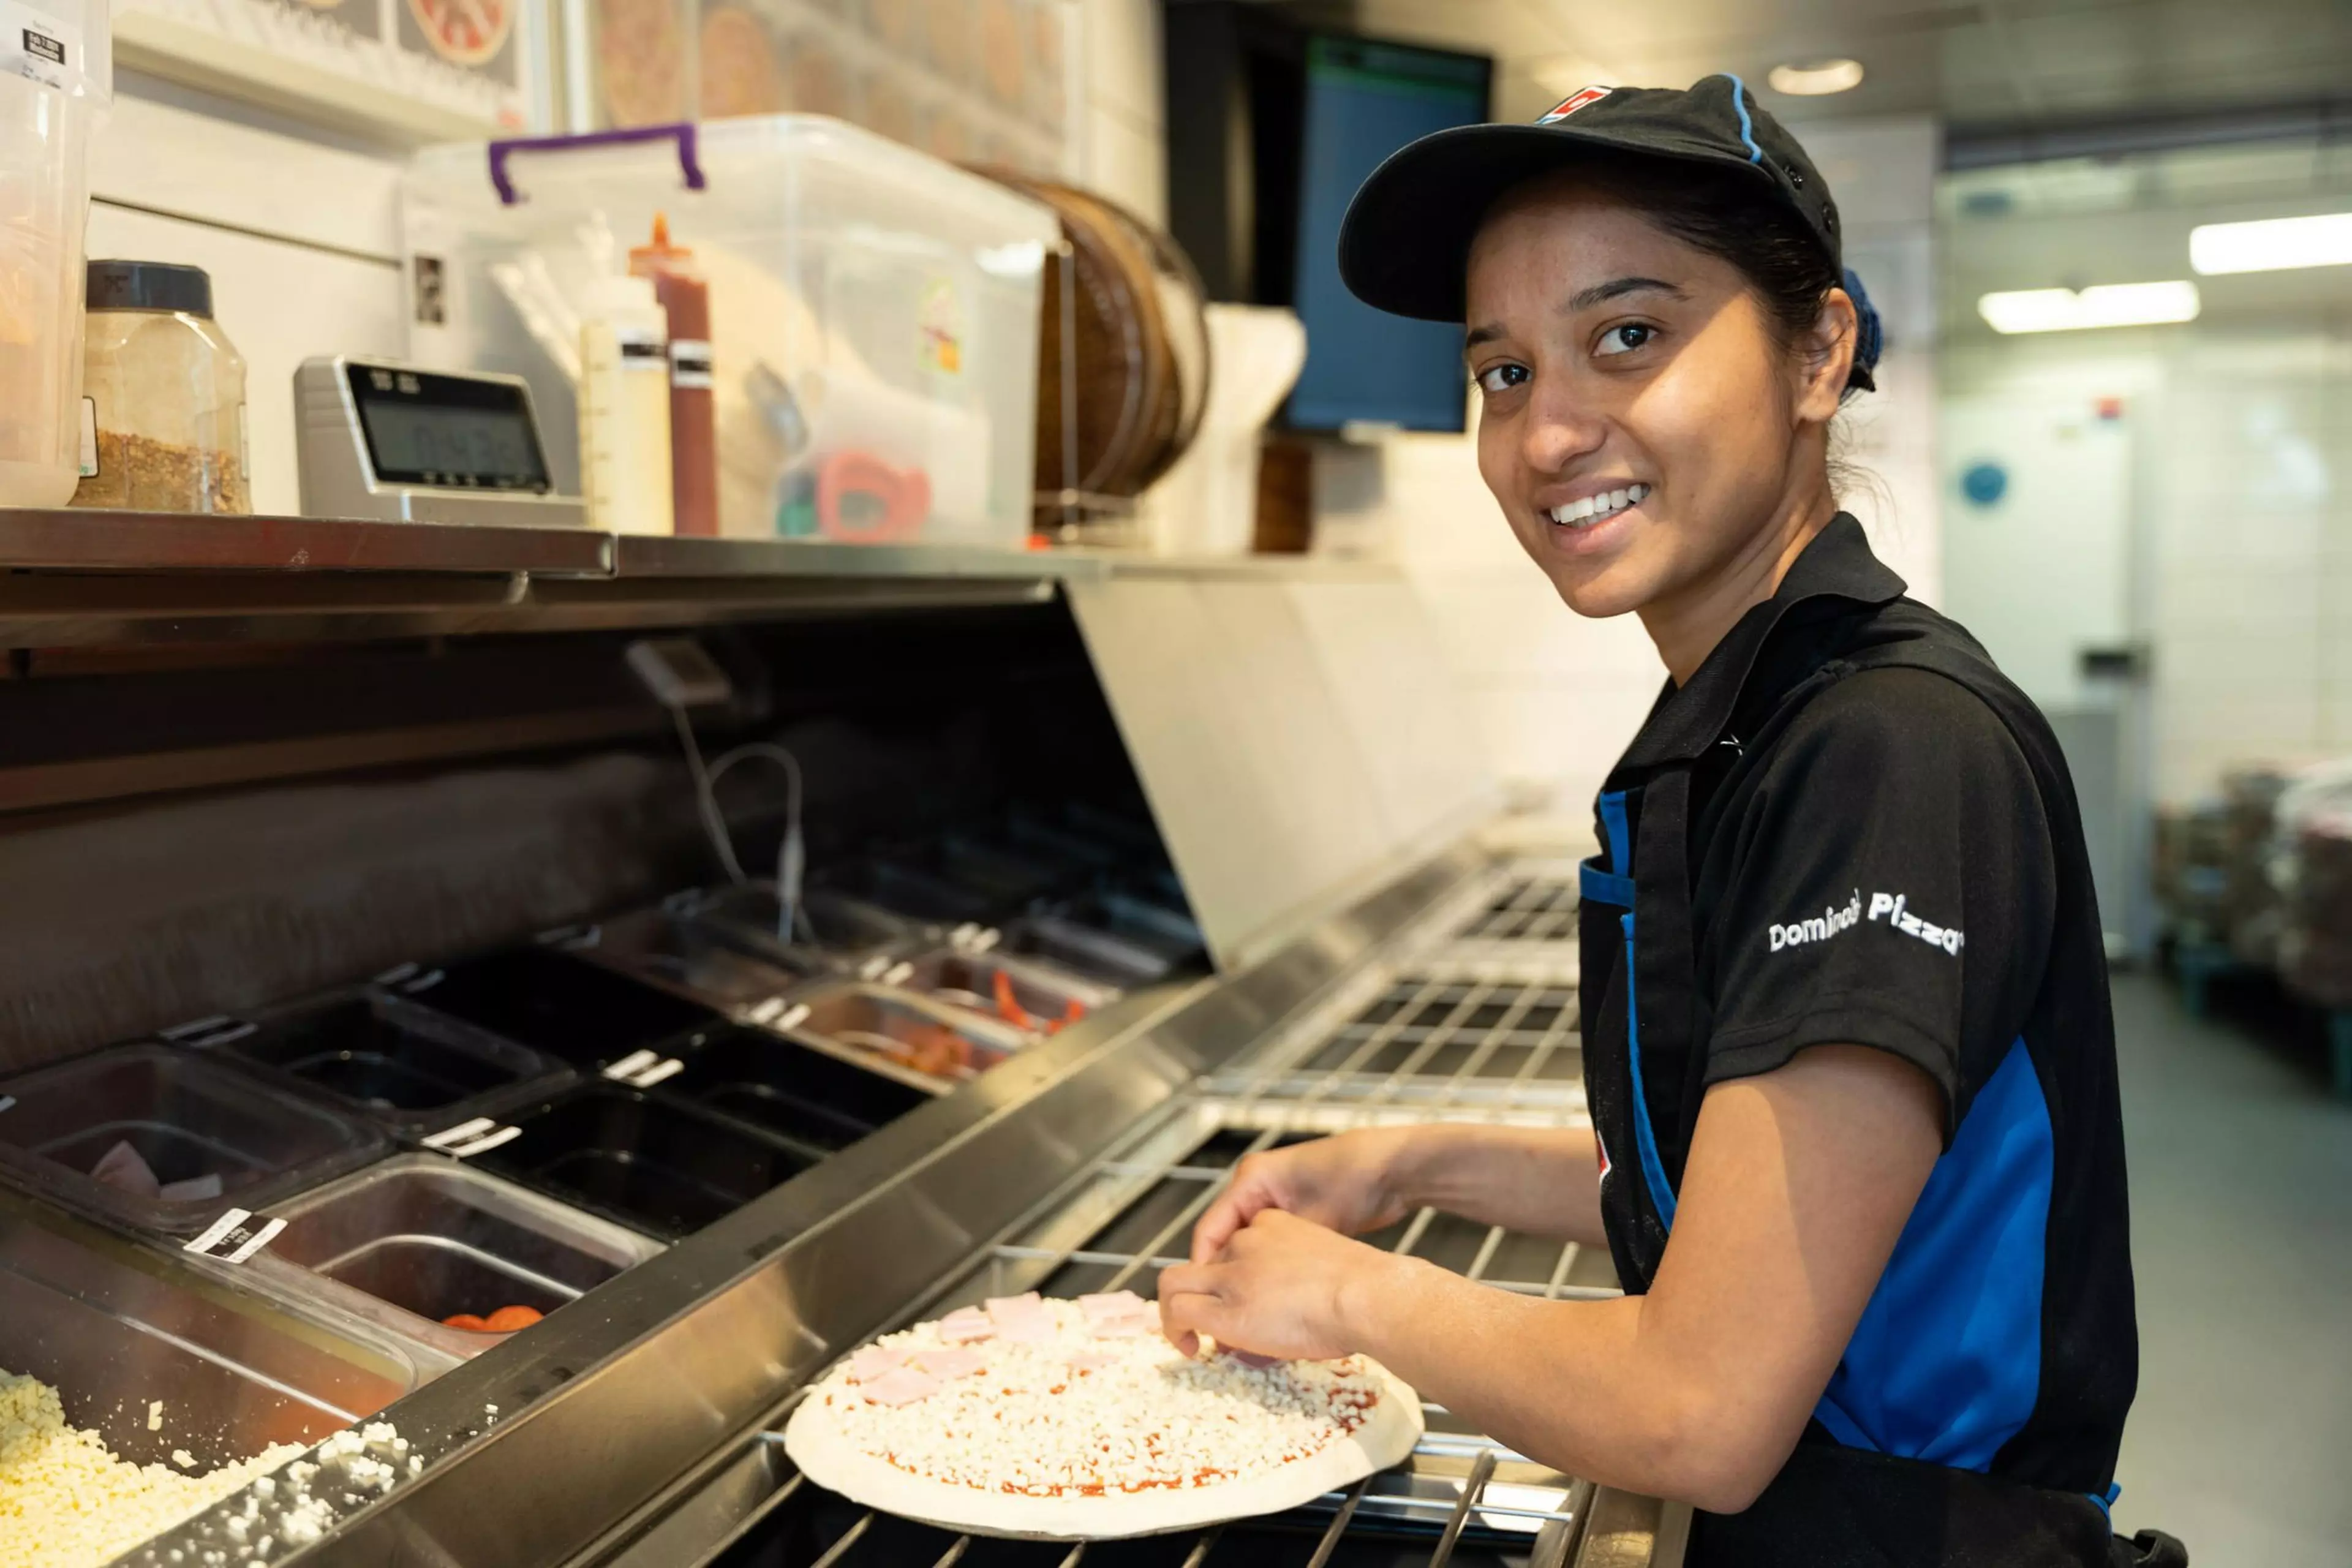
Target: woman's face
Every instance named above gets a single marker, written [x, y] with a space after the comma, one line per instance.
[1642, 426]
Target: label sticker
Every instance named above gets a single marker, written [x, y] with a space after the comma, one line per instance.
[641, 350]
[89, 438]
[39, 47]
[217, 1030]
[898, 974]
[873, 967]
[236, 1235]
[643, 1069]
[766, 1011]
[689, 365]
[468, 1139]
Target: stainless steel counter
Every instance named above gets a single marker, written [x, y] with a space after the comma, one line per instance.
[638, 1429]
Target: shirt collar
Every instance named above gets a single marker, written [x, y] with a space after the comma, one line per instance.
[1837, 564]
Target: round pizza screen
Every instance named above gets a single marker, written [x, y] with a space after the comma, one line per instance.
[1031, 1416]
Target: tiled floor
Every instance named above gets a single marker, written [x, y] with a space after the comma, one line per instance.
[2241, 1442]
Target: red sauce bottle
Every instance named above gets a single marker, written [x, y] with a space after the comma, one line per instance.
[684, 294]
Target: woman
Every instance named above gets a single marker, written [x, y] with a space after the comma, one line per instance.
[1857, 1150]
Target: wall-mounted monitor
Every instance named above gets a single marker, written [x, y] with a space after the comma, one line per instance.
[1271, 130]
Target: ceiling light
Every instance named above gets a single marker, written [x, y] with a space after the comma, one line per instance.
[1816, 78]
[2272, 245]
[2102, 305]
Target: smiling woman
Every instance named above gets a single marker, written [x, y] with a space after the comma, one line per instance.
[1862, 1180]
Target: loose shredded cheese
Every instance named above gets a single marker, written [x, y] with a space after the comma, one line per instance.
[1074, 1412]
[67, 1503]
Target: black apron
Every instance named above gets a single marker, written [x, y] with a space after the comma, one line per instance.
[1646, 1021]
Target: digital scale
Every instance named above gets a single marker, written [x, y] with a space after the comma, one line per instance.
[375, 439]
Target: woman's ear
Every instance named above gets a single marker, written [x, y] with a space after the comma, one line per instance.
[1825, 357]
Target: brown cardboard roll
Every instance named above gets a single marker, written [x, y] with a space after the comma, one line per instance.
[740, 72]
[1119, 394]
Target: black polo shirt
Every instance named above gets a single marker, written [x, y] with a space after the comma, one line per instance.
[1883, 849]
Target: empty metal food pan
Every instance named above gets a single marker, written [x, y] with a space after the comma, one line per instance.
[833, 928]
[688, 955]
[413, 1069]
[916, 892]
[779, 1084]
[420, 1237]
[114, 1328]
[1032, 997]
[1086, 949]
[1172, 933]
[188, 1115]
[551, 1001]
[900, 1027]
[662, 1165]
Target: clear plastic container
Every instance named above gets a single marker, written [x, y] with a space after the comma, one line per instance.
[56, 79]
[654, 1164]
[115, 1328]
[164, 395]
[418, 1238]
[790, 1089]
[408, 1068]
[188, 1118]
[1030, 996]
[874, 311]
[562, 1006]
[943, 1042]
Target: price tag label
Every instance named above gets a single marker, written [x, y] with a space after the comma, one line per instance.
[236, 1235]
[468, 1139]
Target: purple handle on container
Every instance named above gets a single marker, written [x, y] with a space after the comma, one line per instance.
[685, 132]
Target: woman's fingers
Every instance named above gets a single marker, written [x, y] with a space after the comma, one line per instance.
[1257, 1185]
[1187, 1302]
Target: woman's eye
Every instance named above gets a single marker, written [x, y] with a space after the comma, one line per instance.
[1500, 378]
[1625, 339]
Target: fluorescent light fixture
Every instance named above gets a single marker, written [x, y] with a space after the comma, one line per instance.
[2272, 245]
[2102, 305]
[1816, 79]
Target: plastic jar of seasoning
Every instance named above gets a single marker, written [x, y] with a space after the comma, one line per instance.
[163, 395]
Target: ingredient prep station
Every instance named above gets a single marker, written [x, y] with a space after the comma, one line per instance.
[455, 1121]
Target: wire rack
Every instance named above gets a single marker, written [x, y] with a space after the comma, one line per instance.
[1437, 1031]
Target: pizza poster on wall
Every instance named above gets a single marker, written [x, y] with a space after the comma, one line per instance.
[968, 80]
[424, 70]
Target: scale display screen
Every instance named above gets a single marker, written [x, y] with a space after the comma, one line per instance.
[451, 431]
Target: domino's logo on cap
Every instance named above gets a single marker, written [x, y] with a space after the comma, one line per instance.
[1572, 102]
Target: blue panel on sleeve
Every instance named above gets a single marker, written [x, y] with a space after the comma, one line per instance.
[1946, 1363]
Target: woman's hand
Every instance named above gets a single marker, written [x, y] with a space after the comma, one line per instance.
[1346, 1183]
[1282, 1286]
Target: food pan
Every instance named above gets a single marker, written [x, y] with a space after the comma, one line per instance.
[418, 1238]
[115, 1328]
[661, 1165]
[581, 1013]
[1033, 998]
[1085, 949]
[806, 1095]
[905, 1029]
[915, 891]
[832, 929]
[692, 956]
[410, 1069]
[188, 1115]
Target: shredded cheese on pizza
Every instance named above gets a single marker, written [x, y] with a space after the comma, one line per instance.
[1085, 1398]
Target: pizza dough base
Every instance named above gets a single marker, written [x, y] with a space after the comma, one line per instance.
[829, 1459]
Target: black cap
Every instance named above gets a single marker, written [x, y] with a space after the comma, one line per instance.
[1405, 245]
[149, 285]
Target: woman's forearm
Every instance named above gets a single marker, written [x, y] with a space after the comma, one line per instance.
[1577, 1385]
[1541, 1180]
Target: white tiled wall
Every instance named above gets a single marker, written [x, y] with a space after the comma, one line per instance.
[2239, 529]
[1125, 125]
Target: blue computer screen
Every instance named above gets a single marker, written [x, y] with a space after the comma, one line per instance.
[1364, 100]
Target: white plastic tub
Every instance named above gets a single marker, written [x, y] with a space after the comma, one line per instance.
[873, 311]
[56, 79]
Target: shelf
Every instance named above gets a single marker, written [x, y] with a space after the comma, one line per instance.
[92, 541]
[92, 577]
